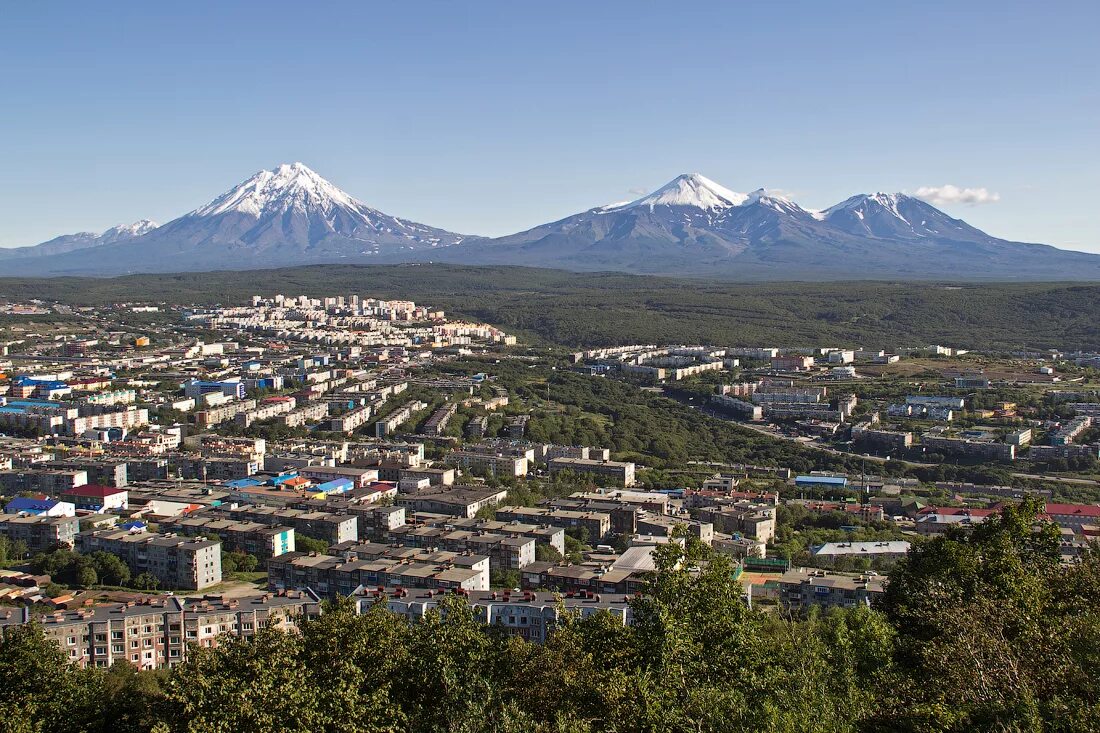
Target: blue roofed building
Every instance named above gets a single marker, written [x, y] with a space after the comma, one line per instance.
[35, 507]
[336, 486]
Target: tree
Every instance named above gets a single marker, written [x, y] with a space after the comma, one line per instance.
[146, 581]
[86, 576]
[11, 550]
[110, 568]
[546, 553]
[245, 684]
[305, 543]
[247, 563]
[992, 627]
[504, 578]
[40, 690]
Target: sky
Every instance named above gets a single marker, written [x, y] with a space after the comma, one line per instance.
[493, 117]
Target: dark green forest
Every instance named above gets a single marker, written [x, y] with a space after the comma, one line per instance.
[985, 631]
[583, 309]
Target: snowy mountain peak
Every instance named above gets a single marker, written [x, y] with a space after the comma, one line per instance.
[772, 200]
[290, 185]
[691, 189]
[129, 231]
[866, 203]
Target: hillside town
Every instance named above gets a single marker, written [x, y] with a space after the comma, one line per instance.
[233, 468]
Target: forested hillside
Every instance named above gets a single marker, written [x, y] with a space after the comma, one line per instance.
[608, 308]
[978, 632]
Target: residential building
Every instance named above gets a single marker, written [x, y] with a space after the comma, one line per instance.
[160, 631]
[802, 588]
[94, 498]
[252, 538]
[40, 533]
[459, 501]
[621, 473]
[175, 561]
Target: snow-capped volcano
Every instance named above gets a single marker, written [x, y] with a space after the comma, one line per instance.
[289, 186]
[288, 215]
[693, 225]
[690, 189]
[291, 207]
[897, 216]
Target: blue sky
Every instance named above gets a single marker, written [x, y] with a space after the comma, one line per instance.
[489, 118]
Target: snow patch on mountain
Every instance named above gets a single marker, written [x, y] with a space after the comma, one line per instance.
[691, 189]
[291, 185]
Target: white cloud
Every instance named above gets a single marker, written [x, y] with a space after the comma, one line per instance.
[637, 191]
[949, 194]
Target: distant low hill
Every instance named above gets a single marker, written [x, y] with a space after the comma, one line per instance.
[613, 308]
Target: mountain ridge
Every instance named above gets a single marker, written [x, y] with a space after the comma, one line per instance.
[692, 225]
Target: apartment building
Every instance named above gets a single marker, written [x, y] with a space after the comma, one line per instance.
[530, 615]
[741, 408]
[50, 481]
[1068, 450]
[332, 528]
[458, 501]
[1070, 431]
[663, 525]
[618, 472]
[222, 413]
[624, 515]
[571, 580]
[494, 464]
[102, 471]
[542, 534]
[175, 561]
[887, 439]
[351, 420]
[436, 424]
[376, 522]
[476, 426]
[310, 412]
[265, 410]
[210, 468]
[597, 524]
[387, 425]
[252, 538]
[40, 533]
[374, 566]
[160, 631]
[505, 552]
[746, 518]
[970, 447]
[792, 363]
[802, 588]
[94, 498]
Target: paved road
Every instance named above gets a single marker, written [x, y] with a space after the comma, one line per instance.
[1063, 479]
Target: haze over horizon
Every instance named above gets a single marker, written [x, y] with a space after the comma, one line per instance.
[508, 117]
